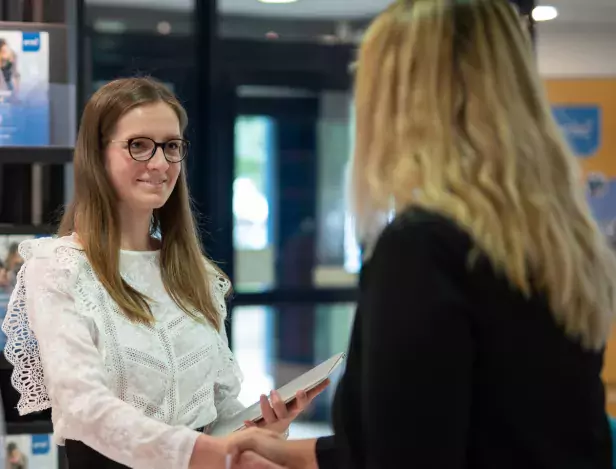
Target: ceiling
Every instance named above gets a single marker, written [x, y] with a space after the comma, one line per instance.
[571, 11]
[583, 11]
[331, 9]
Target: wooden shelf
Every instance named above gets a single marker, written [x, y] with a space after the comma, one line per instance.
[31, 155]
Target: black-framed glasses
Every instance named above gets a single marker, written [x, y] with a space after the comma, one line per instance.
[144, 148]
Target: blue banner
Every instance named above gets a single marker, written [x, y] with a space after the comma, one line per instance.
[581, 126]
[24, 89]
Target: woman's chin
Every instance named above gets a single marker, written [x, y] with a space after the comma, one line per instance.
[151, 202]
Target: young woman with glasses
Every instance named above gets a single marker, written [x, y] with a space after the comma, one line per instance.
[117, 323]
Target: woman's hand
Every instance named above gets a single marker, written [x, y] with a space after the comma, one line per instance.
[277, 416]
[226, 453]
[297, 454]
[251, 460]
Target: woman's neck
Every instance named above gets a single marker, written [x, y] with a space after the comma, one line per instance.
[135, 230]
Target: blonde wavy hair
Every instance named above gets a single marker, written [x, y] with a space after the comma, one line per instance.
[451, 116]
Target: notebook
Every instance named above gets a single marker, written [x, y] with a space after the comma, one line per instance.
[306, 382]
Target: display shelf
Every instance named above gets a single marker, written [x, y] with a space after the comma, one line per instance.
[32, 155]
[4, 363]
[19, 230]
[29, 428]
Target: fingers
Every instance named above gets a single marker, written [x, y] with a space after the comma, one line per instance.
[274, 411]
[279, 406]
[268, 444]
[251, 460]
[248, 439]
[252, 432]
[266, 409]
[277, 410]
[302, 401]
[314, 392]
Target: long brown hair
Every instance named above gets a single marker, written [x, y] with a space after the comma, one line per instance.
[452, 116]
[93, 214]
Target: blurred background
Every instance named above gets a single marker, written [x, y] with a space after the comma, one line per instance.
[268, 88]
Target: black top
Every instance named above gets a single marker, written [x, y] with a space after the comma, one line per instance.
[450, 367]
[80, 456]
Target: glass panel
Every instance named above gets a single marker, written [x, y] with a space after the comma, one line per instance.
[292, 227]
[338, 254]
[252, 197]
[273, 345]
[325, 21]
[156, 17]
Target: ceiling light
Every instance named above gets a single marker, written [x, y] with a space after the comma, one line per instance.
[544, 13]
[164, 27]
[278, 1]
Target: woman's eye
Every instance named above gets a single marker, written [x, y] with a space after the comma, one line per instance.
[172, 145]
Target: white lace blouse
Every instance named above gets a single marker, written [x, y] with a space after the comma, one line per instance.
[132, 392]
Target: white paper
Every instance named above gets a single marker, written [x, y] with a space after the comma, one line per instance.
[305, 382]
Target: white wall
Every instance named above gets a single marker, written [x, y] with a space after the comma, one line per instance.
[576, 51]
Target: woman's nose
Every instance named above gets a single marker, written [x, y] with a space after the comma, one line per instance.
[158, 161]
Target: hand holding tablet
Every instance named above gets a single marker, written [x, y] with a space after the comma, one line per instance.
[285, 403]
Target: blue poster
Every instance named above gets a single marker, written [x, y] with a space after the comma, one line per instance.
[41, 444]
[30, 452]
[24, 88]
[581, 126]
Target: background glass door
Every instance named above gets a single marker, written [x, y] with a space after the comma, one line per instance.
[295, 259]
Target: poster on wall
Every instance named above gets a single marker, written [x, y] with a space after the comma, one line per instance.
[583, 126]
[30, 452]
[24, 88]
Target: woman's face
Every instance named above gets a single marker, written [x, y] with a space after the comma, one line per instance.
[5, 54]
[143, 185]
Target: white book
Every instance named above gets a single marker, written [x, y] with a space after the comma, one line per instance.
[305, 382]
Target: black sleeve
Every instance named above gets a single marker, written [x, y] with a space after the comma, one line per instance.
[418, 352]
[344, 449]
[327, 453]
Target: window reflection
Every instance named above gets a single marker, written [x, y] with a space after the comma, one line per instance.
[273, 345]
[330, 22]
[292, 223]
[149, 17]
[251, 205]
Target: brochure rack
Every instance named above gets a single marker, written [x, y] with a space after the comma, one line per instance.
[41, 91]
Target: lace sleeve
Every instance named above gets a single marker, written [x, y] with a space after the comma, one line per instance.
[229, 381]
[22, 351]
[50, 301]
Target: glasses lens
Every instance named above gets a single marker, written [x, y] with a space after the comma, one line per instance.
[175, 150]
[141, 148]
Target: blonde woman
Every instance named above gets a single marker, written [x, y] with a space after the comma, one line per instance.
[117, 324]
[486, 304]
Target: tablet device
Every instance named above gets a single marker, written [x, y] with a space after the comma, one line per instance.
[305, 382]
